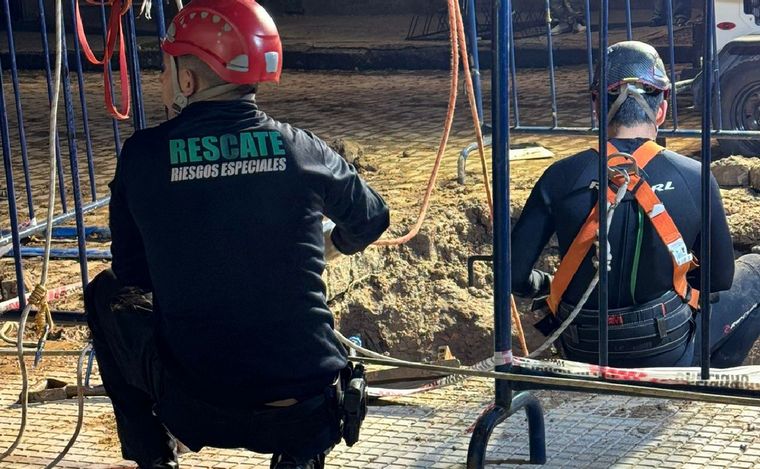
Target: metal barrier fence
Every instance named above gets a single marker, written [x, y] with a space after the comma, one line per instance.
[504, 104]
[76, 124]
[735, 48]
[504, 98]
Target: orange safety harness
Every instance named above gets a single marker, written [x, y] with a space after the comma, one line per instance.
[683, 260]
[118, 9]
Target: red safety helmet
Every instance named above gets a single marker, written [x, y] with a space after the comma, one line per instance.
[236, 38]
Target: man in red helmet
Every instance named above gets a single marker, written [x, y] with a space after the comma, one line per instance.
[653, 280]
[212, 325]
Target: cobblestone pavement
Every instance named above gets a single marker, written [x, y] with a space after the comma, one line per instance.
[433, 431]
[397, 118]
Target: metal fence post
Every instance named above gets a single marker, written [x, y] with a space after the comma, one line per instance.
[705, 237]
[505, 404]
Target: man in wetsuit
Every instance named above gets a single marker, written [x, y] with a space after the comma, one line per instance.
[650, 320]
[212, 326]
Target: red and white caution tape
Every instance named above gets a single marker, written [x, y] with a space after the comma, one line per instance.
[53, 294]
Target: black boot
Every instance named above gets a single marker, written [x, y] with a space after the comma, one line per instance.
[283, 461]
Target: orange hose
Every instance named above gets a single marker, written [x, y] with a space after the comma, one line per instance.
[518, 326]
[444, 138]
[458, 48]
[481, 152]
[473, 107]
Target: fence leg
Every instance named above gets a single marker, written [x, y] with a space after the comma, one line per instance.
[487, 422]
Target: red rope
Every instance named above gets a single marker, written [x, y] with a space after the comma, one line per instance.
[444, 138]
[118, 9]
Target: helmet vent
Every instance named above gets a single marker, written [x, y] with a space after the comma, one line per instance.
[171, 32]
[239, 63]
[273, 61]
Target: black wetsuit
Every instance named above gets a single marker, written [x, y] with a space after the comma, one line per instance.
[561, 201]
[218, 212]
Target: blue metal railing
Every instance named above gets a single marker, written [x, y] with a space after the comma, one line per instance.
[705, 234]
[11, 193]
[19, 110]
[505, 405]
[48, 77]
[602, 199]
[68, 179]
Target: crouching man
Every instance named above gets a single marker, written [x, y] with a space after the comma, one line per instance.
[212, 325]
[654, 280]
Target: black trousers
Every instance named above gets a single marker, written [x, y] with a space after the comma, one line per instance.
[151, 408]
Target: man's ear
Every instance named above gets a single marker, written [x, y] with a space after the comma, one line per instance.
[662, 112]
[188, 82]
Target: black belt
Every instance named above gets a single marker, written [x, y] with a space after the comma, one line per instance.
[638, 331]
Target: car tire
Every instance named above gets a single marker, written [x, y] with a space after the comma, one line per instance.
[740, 106]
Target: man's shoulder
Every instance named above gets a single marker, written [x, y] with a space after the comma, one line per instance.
[288, 131]
[146, 138]
[680, 161]
[572, 165]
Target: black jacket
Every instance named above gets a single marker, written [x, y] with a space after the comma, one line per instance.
[562, 199]
[219, 212]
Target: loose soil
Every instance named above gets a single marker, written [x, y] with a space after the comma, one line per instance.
[416, 297]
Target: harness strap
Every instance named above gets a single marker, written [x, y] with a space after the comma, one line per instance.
[683, 260]
[631, 90]
[118, 9]
[663, 224]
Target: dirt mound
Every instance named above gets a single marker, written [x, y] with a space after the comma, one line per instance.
[418, 298]
[742, 208]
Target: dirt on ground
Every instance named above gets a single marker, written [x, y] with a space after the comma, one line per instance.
[421, 299]
[414, 298]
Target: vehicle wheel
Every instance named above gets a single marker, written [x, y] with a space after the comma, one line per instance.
[740, 106]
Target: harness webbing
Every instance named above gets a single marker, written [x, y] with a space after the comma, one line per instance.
[666, 229]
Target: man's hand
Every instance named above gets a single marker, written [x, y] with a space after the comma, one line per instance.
[331, 252]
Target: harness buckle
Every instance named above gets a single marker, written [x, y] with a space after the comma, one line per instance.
[680, 252]
[662, 327]
[631, 168]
